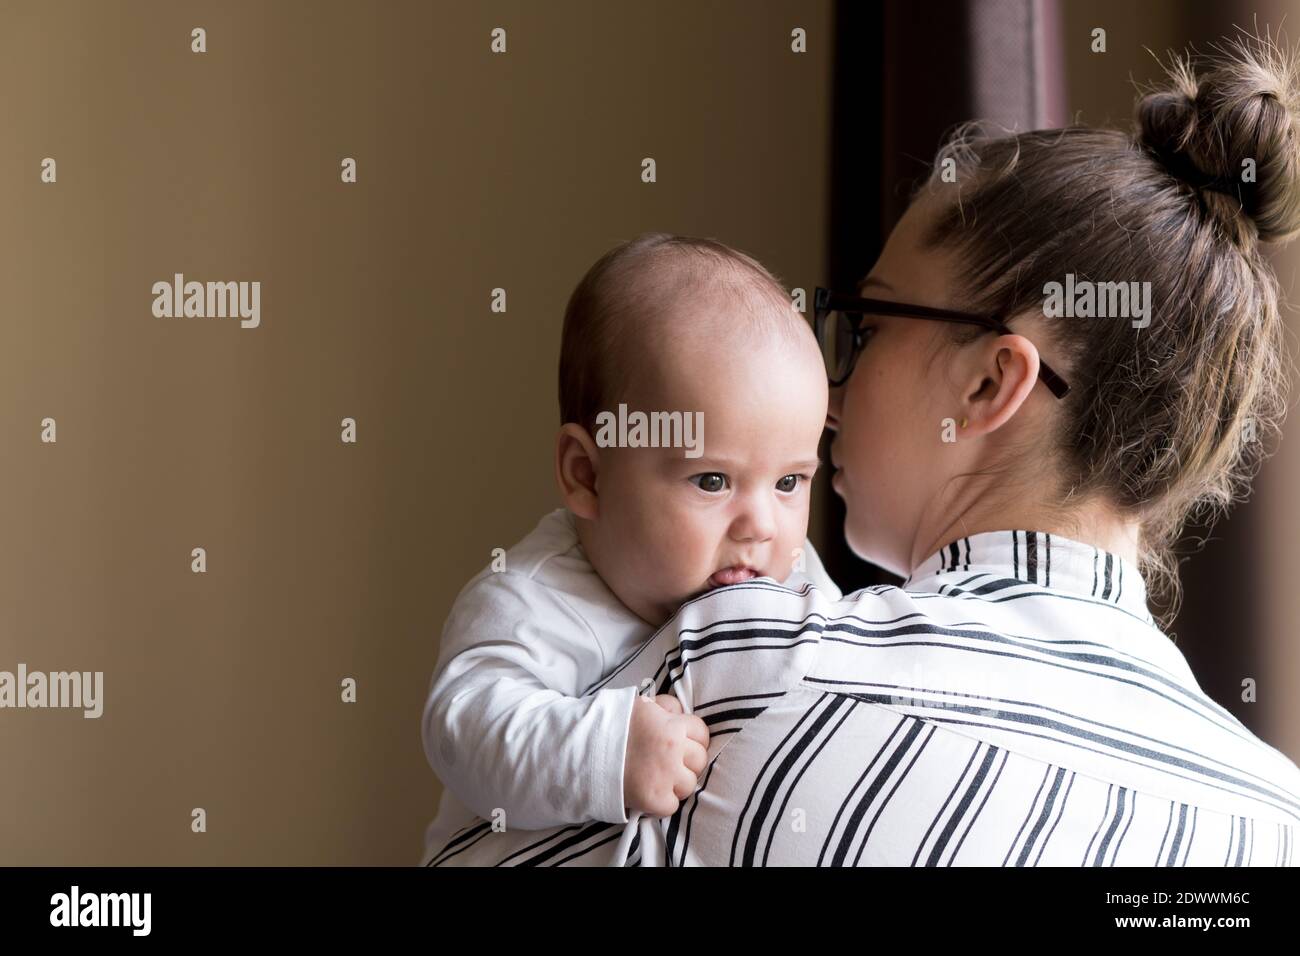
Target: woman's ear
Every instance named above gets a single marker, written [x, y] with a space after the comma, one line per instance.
[577, 461]
[1005, 377]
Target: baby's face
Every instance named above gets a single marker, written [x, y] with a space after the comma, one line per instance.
[672, 527]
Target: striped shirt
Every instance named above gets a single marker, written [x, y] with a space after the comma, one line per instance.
[1012, 703]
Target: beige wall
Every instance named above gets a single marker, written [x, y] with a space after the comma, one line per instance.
[325, 560]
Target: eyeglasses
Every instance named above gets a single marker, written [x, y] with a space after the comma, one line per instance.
[838, 324]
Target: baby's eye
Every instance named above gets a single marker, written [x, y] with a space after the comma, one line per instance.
[710, 481]
[788, 483]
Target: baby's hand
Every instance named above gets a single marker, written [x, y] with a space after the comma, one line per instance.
[665, 755]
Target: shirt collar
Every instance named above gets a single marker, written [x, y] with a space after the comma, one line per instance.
[1037, 557]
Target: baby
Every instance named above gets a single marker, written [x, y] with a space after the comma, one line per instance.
[661, 324]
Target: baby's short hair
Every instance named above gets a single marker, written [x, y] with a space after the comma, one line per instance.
[614, 310]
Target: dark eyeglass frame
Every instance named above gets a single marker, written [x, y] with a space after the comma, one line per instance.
[825, 301]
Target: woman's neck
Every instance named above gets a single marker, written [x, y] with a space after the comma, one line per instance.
[1093, 523]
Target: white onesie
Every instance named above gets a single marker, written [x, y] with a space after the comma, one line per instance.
[506, 726]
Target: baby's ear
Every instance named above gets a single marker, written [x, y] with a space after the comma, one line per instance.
[577, 460]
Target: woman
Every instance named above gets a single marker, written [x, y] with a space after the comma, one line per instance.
[1014, 702]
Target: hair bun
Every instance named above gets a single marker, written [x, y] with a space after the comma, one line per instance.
[1234, 129]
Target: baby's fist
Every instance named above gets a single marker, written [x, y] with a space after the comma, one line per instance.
[665, 755]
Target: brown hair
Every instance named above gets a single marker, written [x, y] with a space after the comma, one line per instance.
[614, 311]
[1157, 418]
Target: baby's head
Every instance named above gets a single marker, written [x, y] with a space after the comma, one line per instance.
[672, 324]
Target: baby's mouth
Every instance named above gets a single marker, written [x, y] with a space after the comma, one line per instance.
[733, 575]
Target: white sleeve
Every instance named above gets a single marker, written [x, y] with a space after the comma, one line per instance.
[505, 726]
[703, 657]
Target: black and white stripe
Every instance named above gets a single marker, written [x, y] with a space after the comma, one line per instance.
[944, 724]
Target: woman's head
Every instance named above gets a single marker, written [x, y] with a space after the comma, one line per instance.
[1166, 416]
